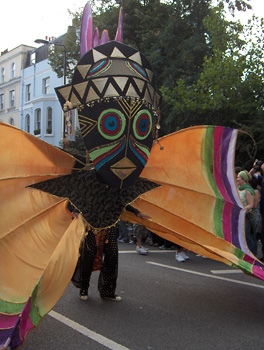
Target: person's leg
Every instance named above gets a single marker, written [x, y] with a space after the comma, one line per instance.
[139, 233]
[88, 254]
[123, 232]
[109, 272]
[180, 254]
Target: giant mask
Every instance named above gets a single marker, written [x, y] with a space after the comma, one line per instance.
[112, 87]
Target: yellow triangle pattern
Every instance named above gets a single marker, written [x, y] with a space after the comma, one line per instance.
[100, 83]
[149, 73]
[111, 91]
[65, 92]
[140, 84]
[92, 95]
[136, 57]
[98, 56]
[84, 69]
[147, 97]
[117, 53]
[121, 81]
[74, 100]
[131, 91]
[80, 88]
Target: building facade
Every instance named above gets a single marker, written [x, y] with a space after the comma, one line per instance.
[41, 113]
[11, 65]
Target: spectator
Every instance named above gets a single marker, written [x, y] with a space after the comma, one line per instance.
[247, 195]
[140, 233]
[123, 232]
[180, 254]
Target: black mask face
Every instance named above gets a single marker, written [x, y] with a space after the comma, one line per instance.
[120, 140]
[112, 88]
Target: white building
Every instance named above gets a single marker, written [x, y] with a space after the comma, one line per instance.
[11, 65]
[41, 113]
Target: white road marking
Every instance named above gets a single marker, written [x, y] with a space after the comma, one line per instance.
[225, 272]
[206, 275]
[87, 332]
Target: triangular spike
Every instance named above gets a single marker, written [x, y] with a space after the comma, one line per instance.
[121, 81]
[105, 37]
[119, 30]
[117, 53]
[84, 69]
[98, 56]
[136, 57]
[100, 83]
[80, 88]
[86, 29]
[96, 37]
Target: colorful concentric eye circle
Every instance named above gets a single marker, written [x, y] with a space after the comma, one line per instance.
[142, 124]
[111, 124]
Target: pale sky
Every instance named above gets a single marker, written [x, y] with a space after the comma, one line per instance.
[24, 21]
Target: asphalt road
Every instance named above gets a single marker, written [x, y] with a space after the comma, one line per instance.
[200, 304]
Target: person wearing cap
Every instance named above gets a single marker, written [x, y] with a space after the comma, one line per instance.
[247, 195]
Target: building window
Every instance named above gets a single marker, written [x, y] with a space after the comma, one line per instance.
[11, 121]
[37, 130]
[46, 86]
[28, 92]
[2, 105]
[32, 58]
[2, 74]
[49, 120]
[11, 98]
[27, 123]
[13, 70]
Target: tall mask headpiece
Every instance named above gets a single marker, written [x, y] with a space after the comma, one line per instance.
[112, 87]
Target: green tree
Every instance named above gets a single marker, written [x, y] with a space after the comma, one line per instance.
[229, 90]
[76, 147]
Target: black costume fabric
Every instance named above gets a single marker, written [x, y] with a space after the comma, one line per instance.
[100, 205]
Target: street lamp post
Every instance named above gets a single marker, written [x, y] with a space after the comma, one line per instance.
[42, 41]
[46, 42]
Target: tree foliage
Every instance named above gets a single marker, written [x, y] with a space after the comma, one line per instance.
[229, 90]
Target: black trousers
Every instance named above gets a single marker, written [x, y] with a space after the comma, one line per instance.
[109, 272]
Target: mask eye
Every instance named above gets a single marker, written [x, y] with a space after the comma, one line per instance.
[142, 124]
[111, 124]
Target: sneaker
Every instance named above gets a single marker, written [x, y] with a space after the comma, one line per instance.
[179, 257]
[184, 255]
[112, 297]
[142, 250]
[83, 294]
[122, 240]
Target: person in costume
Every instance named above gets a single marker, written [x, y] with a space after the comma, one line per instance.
[247, 194]
[118, 107]
[99, 251]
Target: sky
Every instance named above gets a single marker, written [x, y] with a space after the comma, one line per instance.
[22, 22]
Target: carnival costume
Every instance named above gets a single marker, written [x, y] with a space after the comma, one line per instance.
[118, 108]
